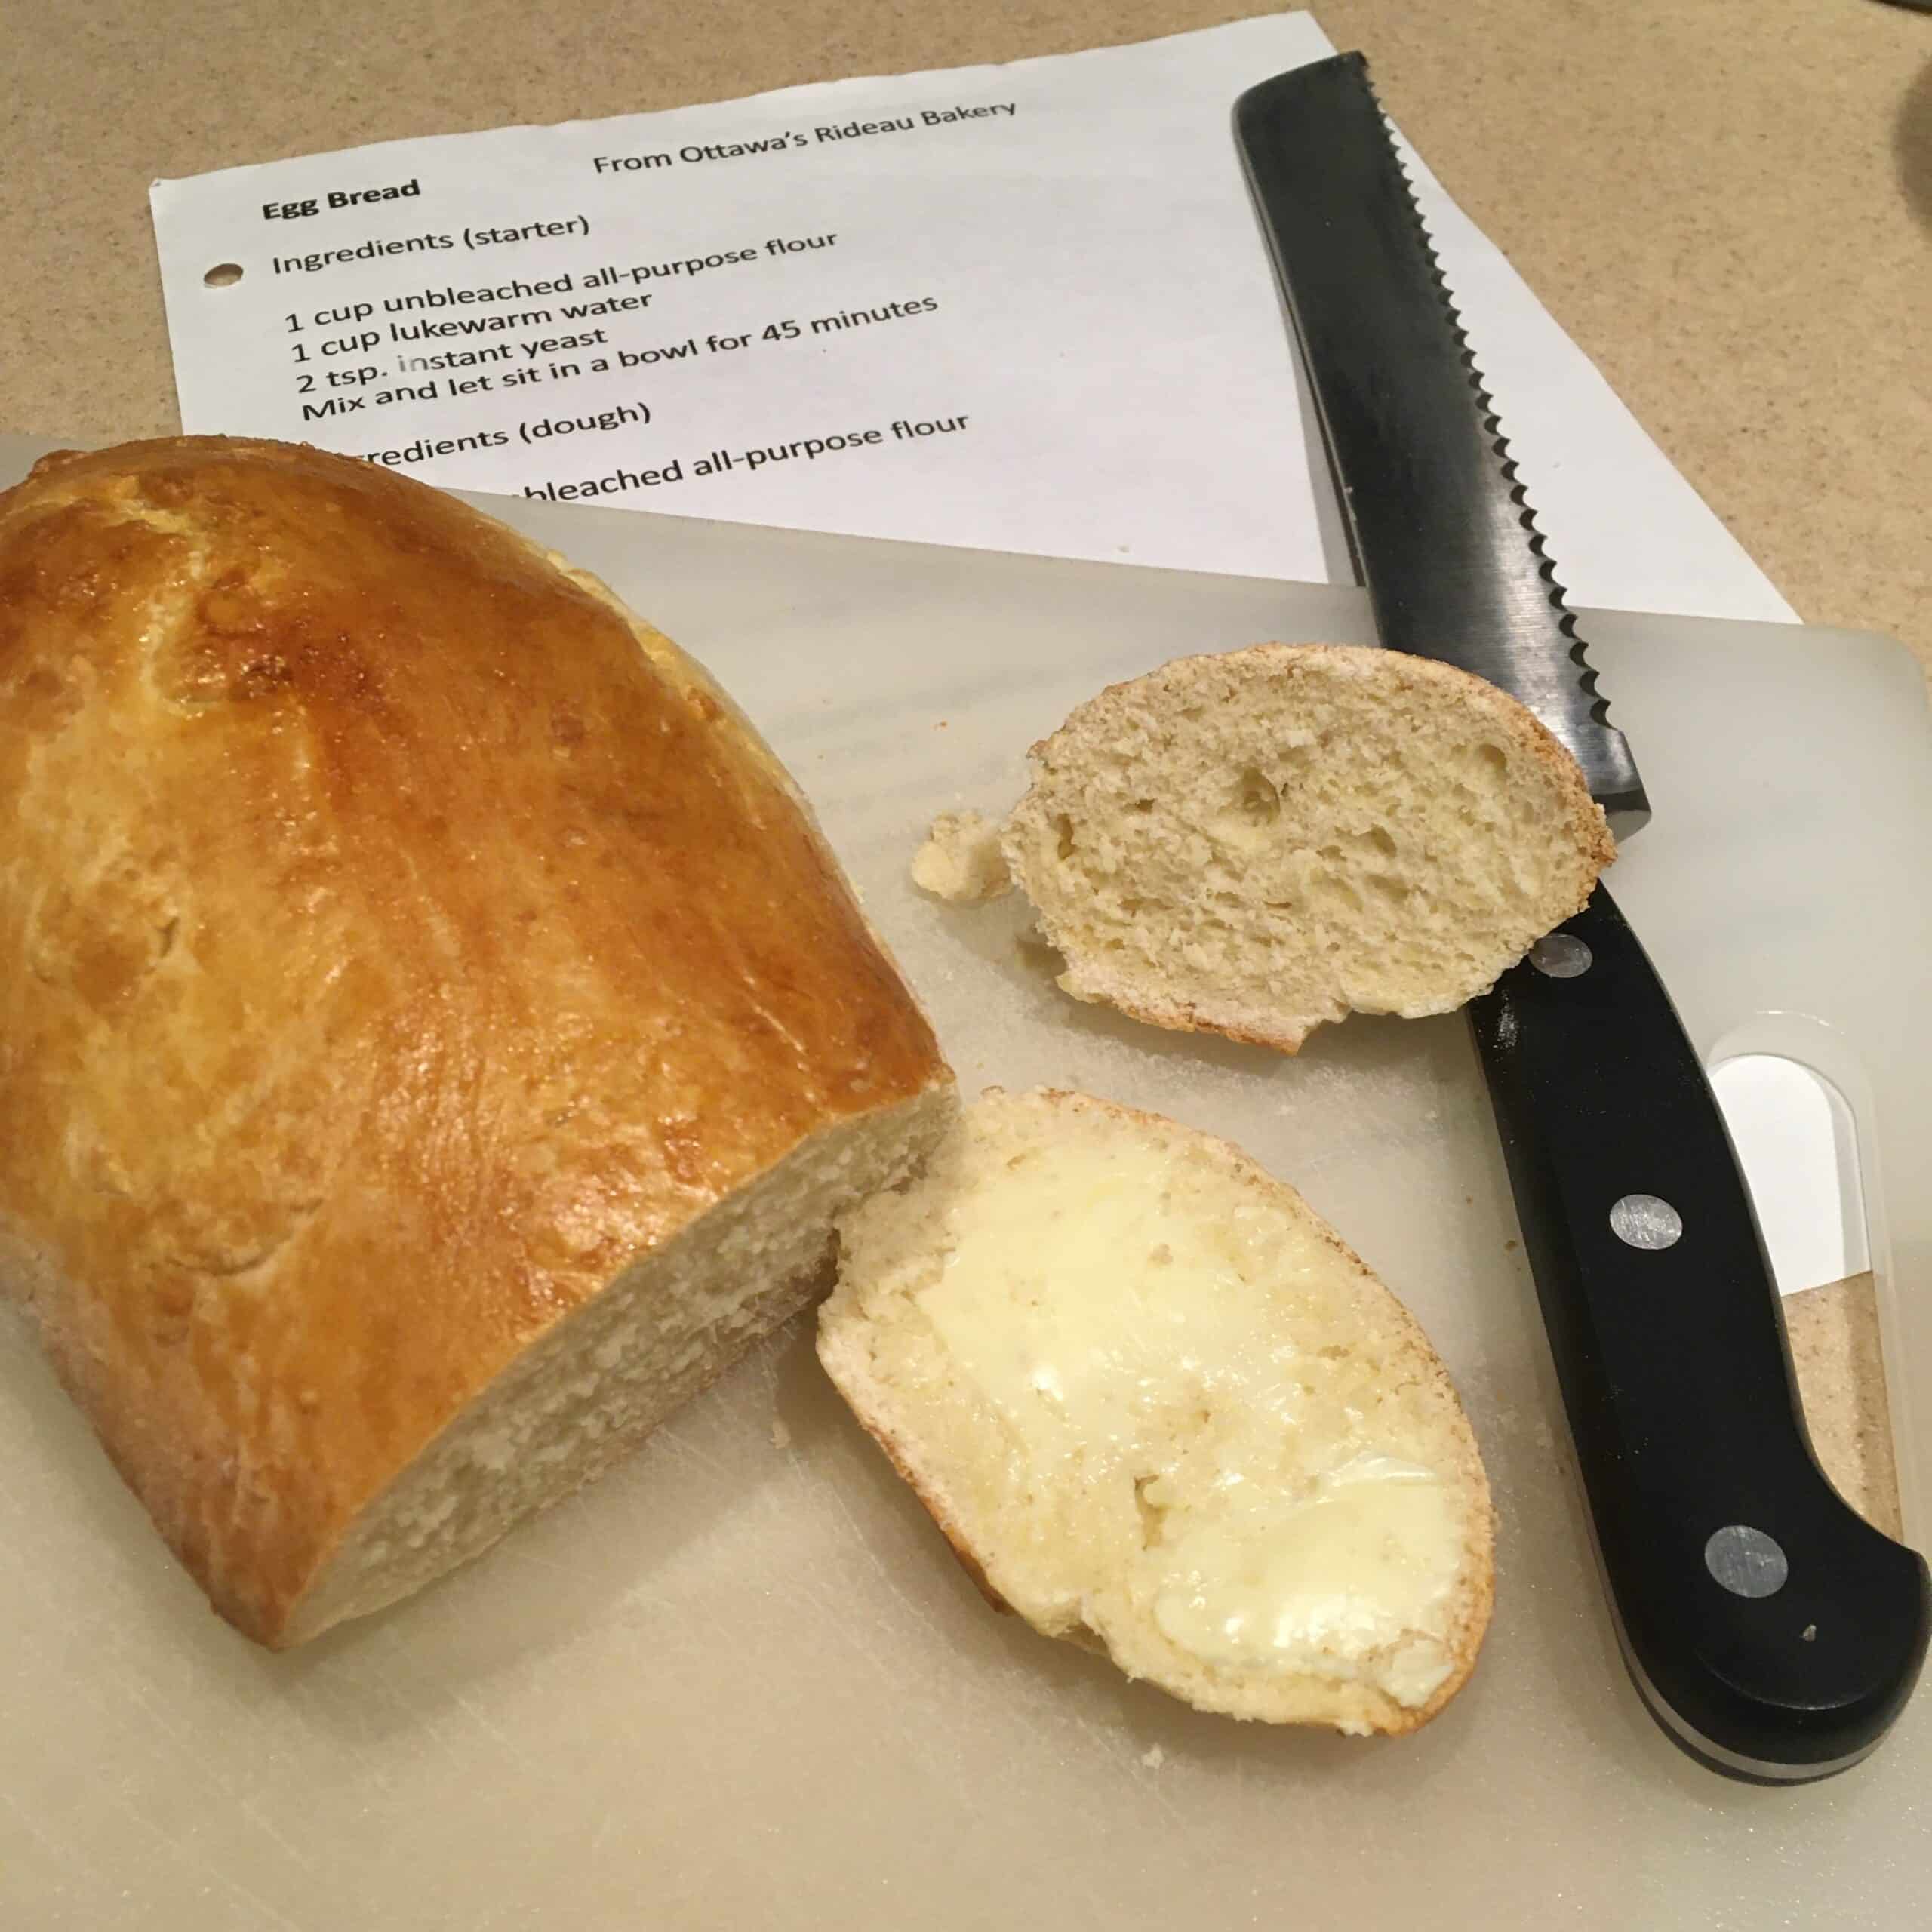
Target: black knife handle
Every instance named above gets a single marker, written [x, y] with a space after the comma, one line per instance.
[1773, 1631]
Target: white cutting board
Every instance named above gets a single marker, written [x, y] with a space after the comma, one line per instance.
[741, 1682]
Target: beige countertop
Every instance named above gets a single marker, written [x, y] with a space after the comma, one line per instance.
[1728, 203]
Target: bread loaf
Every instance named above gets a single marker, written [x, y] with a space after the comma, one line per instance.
[1159, 1407]
[436, 1039]
[1254, 843]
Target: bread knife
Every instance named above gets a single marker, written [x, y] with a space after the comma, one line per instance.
[1772, 1631]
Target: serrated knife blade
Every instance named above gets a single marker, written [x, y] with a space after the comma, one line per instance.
[1772, 1632]
[1445, 540]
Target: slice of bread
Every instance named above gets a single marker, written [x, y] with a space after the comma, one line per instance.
[1254, 843]
[1158, 1406]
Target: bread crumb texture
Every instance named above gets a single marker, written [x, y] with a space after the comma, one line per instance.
[1255, 843]
[1158, 1407]
[961, 860]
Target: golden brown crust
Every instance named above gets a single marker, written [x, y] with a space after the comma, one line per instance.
[406, 939]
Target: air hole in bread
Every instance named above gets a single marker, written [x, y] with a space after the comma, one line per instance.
[1153, 1517]
[1256, 797]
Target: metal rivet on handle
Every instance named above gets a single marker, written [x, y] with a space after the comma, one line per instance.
[1644, 1221]
[1746, 1562]
[1560, 956]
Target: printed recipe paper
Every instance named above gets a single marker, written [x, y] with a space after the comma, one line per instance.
[1024, 308]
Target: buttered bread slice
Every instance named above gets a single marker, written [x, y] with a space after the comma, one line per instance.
[1157, 1405]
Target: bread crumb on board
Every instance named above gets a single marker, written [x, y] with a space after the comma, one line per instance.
[781, 1436]
[962, 861]
[1153, 1756]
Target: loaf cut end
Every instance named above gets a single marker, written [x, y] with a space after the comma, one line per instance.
[599, 1382]
[1254, 843]
[1158, 1406]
